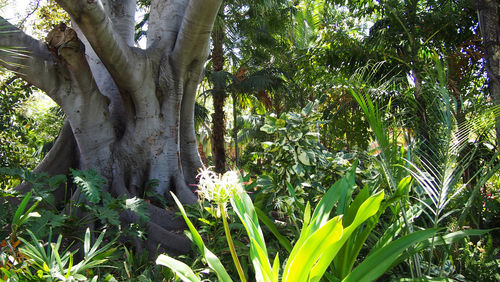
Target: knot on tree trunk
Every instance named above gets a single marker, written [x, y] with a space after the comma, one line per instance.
[62, 37]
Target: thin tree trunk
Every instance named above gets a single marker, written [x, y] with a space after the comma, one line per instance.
[235, 131]
[219, 96]
[490, 30]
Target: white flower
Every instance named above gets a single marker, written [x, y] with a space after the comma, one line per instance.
[219, 188]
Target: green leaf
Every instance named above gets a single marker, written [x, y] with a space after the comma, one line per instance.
[181, 269]
[403, 185]
[381, 260]
[86, 242]
[276, 268]
[90, 182]
[303, 158]
[280, 123]
[272, 227]
[308, 109]
[268, 129]
[424, 279]
[243, 206]
[138, 206]
[303, 260]
[21, 208]
[56, 180]
[212, 260]
[369, 208]
[107, 215]
[443, 240]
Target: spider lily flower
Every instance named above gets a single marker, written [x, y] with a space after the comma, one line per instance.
[219, 188]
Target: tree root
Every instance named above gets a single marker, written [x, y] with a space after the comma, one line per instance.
[161, 236]
[165, 229]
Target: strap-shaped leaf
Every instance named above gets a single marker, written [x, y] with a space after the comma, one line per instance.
[243, 206]
[369, 208]
[303, 260]
[181, 269]
[272, 227]
[212, 260]
[381, 260]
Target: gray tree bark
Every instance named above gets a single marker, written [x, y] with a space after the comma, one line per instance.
[130, 111]
[489, 25]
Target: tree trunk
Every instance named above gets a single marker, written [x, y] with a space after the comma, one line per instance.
[130, 111]
[235, 132]
[219, 96]
[490, 30]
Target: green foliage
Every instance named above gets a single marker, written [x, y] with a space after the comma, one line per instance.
[52, 265]
[319, 243]
[301, 164]
[401, 86]
[12, 123]
[212, 261]
[478, 260]
[26, 129]
[90, 182]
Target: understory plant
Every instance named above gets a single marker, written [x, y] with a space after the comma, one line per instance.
[437, 168]
[41, 258]
[34, 260]
[320, 242]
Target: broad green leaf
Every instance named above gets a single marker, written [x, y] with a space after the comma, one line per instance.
[347, 255]
[369, 208]
[354, 206]
[308, 109]
[56, 180]
[326, 204]
[243, 206]
[348, 183]
[29, 213]
[21, 208]
[303, 158]
[181, 269]
[381, 260]
[269, 129]
[321, 213]
[90, 183]
[86, 242]
[264, 268]
[300, 264]
[403, 185]
[280, 123]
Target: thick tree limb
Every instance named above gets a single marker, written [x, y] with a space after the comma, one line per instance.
[193, 37]
[165, 20]
[29, 58]
[190, 157]
[119, 58]
[81, 100]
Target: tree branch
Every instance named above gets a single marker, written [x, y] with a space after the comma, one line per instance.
[29, 58]
[193, 37]
[119, 58]
[165, 19]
